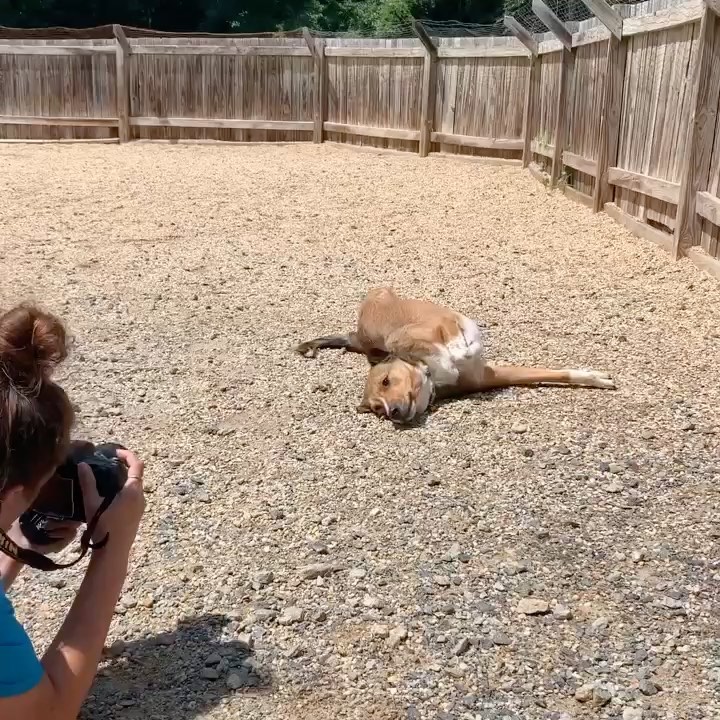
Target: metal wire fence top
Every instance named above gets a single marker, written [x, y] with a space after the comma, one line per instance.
[453, 28]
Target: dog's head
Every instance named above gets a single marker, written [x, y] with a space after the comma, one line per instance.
[398, 390]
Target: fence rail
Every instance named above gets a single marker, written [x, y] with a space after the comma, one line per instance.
[619, 110]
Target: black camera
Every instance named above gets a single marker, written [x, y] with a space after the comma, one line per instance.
[61, 497]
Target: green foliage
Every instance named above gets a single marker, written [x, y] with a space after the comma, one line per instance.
[366, 16]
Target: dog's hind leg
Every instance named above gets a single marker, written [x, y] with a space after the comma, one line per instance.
[508, 376]
[347, 343]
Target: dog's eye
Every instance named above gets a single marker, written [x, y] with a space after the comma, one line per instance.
[386, 381]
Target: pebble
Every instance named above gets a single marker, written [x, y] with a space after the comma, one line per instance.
[378, 630]
[398, 635]
[461, 647]
[209, 673]
[600, 624]
[637, 556]
[533, 606]
[319, 547]
[519, 428]
[601, 696]
[647, 687]
[499, 638]
[213, 659]
[234, 681]
[562, 612]
[613, 487]
[316, 570]
[291, 615]
[442, 580]
[263, 578]
[584, 693]
[357, 573]
[632, 714]
[374, 602]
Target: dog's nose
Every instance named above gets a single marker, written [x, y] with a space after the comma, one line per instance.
[394, 412]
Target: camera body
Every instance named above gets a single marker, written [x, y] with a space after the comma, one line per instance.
[61, 497]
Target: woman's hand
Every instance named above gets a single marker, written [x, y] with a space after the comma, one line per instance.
[122, 519]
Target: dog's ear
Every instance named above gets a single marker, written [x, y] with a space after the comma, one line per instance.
[363, 407]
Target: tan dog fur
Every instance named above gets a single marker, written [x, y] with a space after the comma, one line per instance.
[418, 349]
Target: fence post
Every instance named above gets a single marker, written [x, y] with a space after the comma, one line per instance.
[558, 29]
[429, 88]
[696, 163]
[609, 121]
[122, 86]
[317, 49]
[524, 36]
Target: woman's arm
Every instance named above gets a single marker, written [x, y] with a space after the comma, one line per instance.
[71, 661]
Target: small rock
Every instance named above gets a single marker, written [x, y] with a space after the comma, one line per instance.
[245, 640]
[562, 612]
[457, 671]
[433, 481]
[461, 647]
[316, 570]
[648, 687]
[116, 649]
[234, 681]
[584, 693]
[263, 578]
[147, 602]
[499, 638]
[397, 635]
[601, 696]
[165, 639]
[442, 580]
[57, 582]
[615, 468]
[519, 428]
[264, 614]
[319, 547]
[632, 714]
[533, 606]
[637, 556]
[277, 514]
[600, 624]
[213, 659]
[378, 630]
[209, 673]
[291, 615]
[671, 603]
[371, 601]
[357, 573]
[295, 651]
[613, 487]
[318, 616]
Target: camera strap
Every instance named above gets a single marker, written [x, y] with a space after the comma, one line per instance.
[38, 561]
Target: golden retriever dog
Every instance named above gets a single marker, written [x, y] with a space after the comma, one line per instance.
[419, 350]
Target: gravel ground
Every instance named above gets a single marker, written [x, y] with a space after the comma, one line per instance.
[538, 553]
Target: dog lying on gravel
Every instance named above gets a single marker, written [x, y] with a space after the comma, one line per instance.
[419, 350]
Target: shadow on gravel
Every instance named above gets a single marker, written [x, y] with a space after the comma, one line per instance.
[179, 675]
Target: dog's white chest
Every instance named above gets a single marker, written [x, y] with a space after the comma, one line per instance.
[463, 354]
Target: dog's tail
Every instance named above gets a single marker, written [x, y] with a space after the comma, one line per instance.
[310, 348]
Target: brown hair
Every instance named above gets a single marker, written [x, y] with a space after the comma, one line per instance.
[35, 413]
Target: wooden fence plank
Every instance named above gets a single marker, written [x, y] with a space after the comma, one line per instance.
[701, 132]
[222, 123]
[68, 50]
[529, 109]
[478, 142]
[500, 51]
[609, 121]
[553, 23]
[267, 50]
[577, 196]
[607, 15]
[708, 206]
[664, 19]
[639, 228]
[427, 108]
[375, 52]
[568, 59]
[521, 33]
[122, 83]
[58, 121]
[652, 186]
[577, 162]
[389, 133]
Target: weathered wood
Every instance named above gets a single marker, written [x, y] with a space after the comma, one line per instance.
[709, 264]
[375, 52]
[429, 87]
[58, 121]
[424, 38]
[222, 123]
[701, 131]
[69, 50]
[262, 50]
[119, 34]
[607, 15]
[639, 228]
[122, 84]
[390, 133]
[652, 186]
[529, 108]
[577, 196]
[593, 35]
[500, 51]
[577, 162]
[713, 5]
[54, 141]
[537, 172]
[521, 33]
[547, 151]
[549, 46]
[319, 88]
[708, 206]
[478, 142]
[664, 19]
[609, 121]
[553, 23]
[568, 58]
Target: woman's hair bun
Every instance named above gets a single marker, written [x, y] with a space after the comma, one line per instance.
[32, 343]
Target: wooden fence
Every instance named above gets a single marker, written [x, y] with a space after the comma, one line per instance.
[619, 111]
